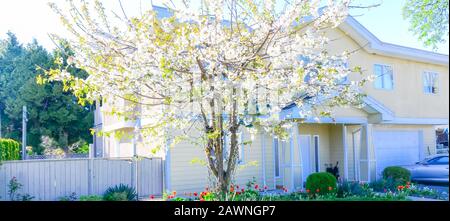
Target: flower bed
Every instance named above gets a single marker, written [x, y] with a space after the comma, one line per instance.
[346, 191]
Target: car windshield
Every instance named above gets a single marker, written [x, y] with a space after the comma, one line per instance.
[428, 159]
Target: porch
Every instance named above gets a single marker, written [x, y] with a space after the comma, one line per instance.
[314, 147]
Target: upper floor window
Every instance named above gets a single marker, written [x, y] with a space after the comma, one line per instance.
[384, 77]
[344, 80]
[430, 82]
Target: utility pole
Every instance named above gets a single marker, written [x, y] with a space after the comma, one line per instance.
[24, 132]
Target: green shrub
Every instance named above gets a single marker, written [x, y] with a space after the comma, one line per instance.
[321, 183]
[388, 184]
[91, 198]
[351, 188]
[398, 174]
[120, 193]
[9, 150]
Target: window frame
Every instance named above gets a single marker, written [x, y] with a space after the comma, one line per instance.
[277, 160]
[316, 152]
[377, 77]
[437, 82]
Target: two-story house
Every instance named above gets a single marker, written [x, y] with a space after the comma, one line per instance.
[407, 99]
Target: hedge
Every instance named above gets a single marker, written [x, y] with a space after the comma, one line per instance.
[9, 150]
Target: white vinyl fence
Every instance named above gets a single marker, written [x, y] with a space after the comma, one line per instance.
[55, 178]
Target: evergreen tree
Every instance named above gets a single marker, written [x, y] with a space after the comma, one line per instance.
[51, 111]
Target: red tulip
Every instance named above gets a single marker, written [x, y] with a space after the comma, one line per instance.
[195, 194]
[256, 186]
[152, 197]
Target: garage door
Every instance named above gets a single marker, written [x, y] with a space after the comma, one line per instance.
[394, 148]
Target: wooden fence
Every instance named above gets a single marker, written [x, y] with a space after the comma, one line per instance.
[55, 178]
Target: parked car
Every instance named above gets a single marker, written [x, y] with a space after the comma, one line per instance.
[431, 169]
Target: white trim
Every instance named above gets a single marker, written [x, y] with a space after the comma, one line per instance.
[374, 46]
[374, 154]
[337, 120]
[344, 143]
[277, 142]
[421, 146]
[422, 121]
[373, 106]
[275, 177]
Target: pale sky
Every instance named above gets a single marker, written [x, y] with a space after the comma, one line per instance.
[30, 19]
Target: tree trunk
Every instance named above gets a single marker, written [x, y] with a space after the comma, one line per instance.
[216, 145]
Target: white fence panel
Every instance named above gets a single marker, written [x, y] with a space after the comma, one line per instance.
[150, 176]
[52, 179]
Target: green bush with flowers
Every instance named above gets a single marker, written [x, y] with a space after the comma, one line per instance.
[321, 183]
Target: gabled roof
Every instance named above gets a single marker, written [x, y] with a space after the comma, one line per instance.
[369, 42]
[373, 45]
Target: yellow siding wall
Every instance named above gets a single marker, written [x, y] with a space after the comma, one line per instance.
[189, 177]
[407, 99]
[337, 147]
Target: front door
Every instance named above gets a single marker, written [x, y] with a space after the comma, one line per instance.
[305, 155]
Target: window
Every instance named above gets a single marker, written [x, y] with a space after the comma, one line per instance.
[439, 161]
[226, 148]
[384, 77]
[277, 157]
[344, 80]
[241, 148]
[430, 81]
[316, 153]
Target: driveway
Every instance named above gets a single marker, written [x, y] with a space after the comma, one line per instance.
[438, 187]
